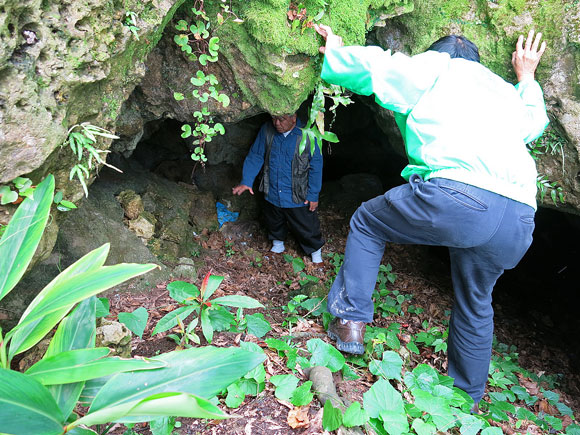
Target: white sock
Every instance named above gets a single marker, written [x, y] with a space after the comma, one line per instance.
[317, 256]
[277, 246]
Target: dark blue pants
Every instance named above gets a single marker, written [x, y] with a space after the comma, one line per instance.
[486, 233]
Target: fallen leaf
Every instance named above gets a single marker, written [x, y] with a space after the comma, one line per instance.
[298, 417]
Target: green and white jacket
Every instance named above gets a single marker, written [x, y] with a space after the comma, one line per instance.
[459, 120]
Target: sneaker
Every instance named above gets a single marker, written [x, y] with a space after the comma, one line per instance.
[277, 246]
[317, 256]
[348, 335]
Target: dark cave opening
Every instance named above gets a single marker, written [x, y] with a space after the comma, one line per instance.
[541, 292]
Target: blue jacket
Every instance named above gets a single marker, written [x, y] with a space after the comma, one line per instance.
[281, 155]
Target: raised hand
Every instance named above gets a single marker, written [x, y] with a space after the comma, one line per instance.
[526, 58]
[332, 40]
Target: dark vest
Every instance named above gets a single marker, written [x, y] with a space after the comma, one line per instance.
[300, 167]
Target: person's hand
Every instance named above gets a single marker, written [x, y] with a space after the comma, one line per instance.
[526, 58]
[313, 205]
[332, 40]
[241, 188]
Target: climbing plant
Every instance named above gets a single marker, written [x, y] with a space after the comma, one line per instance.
[199, 46]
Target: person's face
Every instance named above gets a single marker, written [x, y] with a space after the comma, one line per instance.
[284, 123]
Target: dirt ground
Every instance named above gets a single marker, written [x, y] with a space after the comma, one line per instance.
[421, 271]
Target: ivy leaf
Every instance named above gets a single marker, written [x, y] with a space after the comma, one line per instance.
[423, 428]
[8, 197]
[437, 407]
[302, 395]
[199, 79]
[395, 422]
[470, 424]
[203, 59]
[178, 96]
[331, 417]
[353, 416]
[219, 128]
[135, 321]
[181, 39]
[423, 377]
[382, 396]
[186, 128]
[285, 386]
[181, 25]
[224, 99]
[492, 431]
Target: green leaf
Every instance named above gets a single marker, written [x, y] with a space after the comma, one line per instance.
[225, 100]
[382, 396]
[331, 417]
[199, 80]
[235, 396]
[324, 354]
[297, 264]
[22, 235]
[181, 39]
[206, 327]
[221, 319]
[437, 407]
[395, 422]
[135, 321]
[84, 364]
[237, 301]
[186, 128]
[181, 25]
[330, 137]
[103, 307]
[423, 377]
[470, 424]
[170, 319]
[22, 399]
[422, 428]
[492, 431]
[285, 385]
[389, 368]
[354, 415]
[213, 281]
[181, 291]
[76, 331]
[27, 336]
[8, 197]
[61, 297]
[200, 371]
[302, 395]
[161, 404]
[178, 96]
[257, 325]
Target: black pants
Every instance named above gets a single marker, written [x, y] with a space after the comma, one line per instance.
[303, 223]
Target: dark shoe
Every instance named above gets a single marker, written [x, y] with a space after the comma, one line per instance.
[348, 335]
[475, 408]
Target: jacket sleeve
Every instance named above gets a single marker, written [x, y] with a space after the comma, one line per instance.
[315, 175]
[397, 81]
[255, 159]
[536, 118]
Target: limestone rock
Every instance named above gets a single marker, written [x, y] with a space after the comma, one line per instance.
[132, 204]
[116, 336]
[144, 225]
[185, 269]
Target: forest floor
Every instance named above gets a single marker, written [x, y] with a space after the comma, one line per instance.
[415, 306]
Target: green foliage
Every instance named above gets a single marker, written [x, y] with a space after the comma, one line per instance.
[210, 313]
[131, 23]
[198, 45]
[24, 189]
[41, 401]
[546, 186]
[82, 139]
[135, 321]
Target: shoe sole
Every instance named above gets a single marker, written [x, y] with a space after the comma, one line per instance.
[351, 347]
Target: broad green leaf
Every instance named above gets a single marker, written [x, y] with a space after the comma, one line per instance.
[84, 364]
[170, 319]
[76, 331]
[237, 301]
[162, 426]
[221, 319]
[423, 428]
[161, 404]
[27, 336]
[22, 235]
[22, 399]
[257, 325]
[395, 422]
[8, 196]
[200, 371]
[423, 377]
[324, 354]
[91, 389]
[389, 368]
[354, 416]
[437, 407]
[235, 396]
[206, 327]
[135, 321]
[470, 424]
[81, 431]
[276, 344]
[65, 295]
[181, 39]
[302, 395]
[285, 385]
[212, 285]
[382, 396]
[348, 374]
[178, 96]
[331, 417]
[492, 431]
[181, 291]
[377, 425]
[103, 307]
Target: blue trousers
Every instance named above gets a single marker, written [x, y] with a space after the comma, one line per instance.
[486, 233]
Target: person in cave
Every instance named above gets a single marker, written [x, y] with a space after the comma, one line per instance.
[471, 182]
[291, 182]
